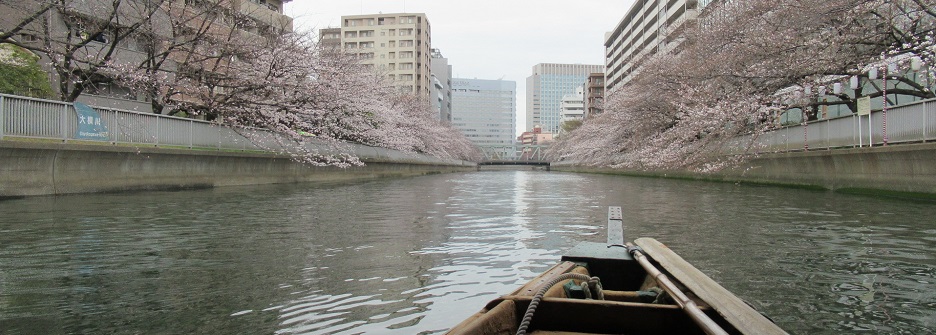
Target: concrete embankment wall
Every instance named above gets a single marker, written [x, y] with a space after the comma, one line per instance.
[907, 168]
[28, 169]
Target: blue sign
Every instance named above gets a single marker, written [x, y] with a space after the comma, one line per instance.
[90, 126]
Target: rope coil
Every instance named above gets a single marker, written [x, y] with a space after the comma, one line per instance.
[587, 284]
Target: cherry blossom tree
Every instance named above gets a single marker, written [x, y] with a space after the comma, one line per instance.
[289, 85]
[726, 73]
[204, 59]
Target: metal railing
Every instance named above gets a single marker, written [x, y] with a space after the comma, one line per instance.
[37, 118]
[910, 123]
[23, 117]
[513, 152]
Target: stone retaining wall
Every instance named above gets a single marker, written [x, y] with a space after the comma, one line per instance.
[28, 169]
[907, 168]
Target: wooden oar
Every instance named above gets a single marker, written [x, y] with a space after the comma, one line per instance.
[738, 313]
[687, 305]
[616, 239]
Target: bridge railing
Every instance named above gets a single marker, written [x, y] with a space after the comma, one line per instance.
[520, 152]
[915, 122]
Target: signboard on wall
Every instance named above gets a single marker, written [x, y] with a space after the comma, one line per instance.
[864, 105]
[90, 126]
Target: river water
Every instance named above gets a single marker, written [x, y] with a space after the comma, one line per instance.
[418, 255]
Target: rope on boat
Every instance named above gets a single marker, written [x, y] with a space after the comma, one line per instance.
[587, 282]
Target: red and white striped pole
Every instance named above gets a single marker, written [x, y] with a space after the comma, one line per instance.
[884, 108]
[805, 130]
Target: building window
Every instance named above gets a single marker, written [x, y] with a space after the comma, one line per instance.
[29, 38]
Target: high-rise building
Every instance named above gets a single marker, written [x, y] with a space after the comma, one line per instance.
[441, 93]
[485, 111]
[396, 43]
[545, 89]
[594, 94]
[650, 26]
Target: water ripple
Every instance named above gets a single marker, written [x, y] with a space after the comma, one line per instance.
[418, 255]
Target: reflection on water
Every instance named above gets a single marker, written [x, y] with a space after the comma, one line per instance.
[418, 255]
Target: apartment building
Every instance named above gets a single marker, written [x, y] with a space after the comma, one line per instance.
[330, 37]
[535, 136]
[530, 140]
[545, 89]
[594, 94]
[650, 26]
[485, 111]
[398, 44]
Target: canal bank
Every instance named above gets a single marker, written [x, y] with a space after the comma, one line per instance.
[907, 170]
[41, 168]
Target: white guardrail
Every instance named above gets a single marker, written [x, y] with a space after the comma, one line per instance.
[24, 117]
[47, 119]
[910, 123]
[37, 118]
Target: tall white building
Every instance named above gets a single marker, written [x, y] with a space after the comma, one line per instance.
[485, 110]
[545, 89]
[650, 26]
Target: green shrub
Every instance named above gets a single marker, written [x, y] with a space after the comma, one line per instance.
[20, 73]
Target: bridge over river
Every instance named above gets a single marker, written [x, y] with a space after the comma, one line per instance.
[417, 255]
[519, 154]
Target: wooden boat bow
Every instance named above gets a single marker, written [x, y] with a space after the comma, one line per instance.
[646, 289]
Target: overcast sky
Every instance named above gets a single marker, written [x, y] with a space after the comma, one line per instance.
[491, 39]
